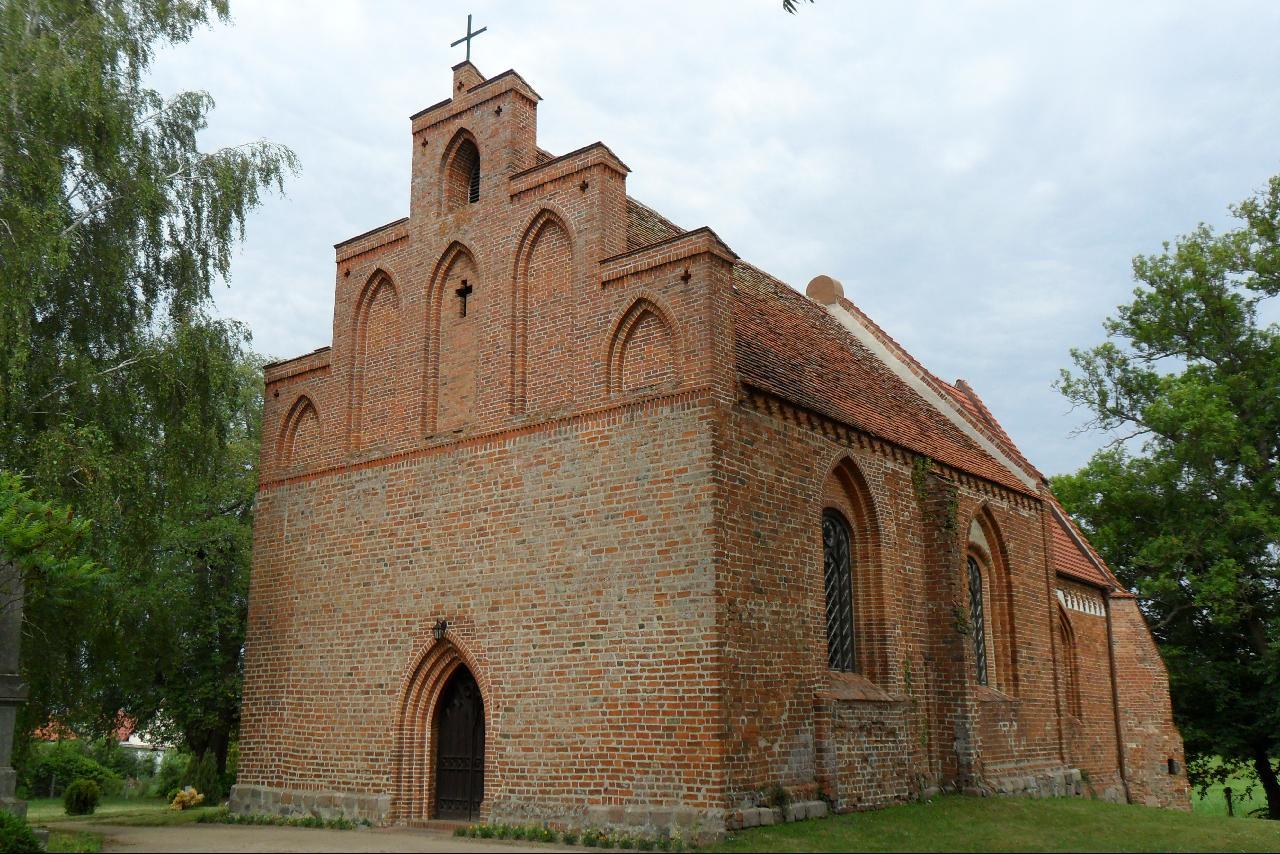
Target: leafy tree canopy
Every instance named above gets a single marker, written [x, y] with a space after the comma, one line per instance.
[1185, 503]
[121, 396]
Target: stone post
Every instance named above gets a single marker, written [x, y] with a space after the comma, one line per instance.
[12, 691]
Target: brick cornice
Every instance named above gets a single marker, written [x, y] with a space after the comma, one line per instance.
[700, 241]
[308, 363]
[372, 239]
[595, 154]
[766, 403]
[494, 87]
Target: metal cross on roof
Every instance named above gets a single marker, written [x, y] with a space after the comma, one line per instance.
[468, 37]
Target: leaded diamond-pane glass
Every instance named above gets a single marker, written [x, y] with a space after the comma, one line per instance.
[977, 619]
[839, 587]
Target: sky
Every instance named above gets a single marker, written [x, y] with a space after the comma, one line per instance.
[979, 175]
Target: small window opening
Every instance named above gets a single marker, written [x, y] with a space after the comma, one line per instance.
[474, 194]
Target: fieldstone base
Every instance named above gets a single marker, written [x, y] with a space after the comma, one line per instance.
[1038, 783]
[689, 823]
[762, 816]
[251, 800]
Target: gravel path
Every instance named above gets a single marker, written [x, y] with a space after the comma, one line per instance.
[231, 838]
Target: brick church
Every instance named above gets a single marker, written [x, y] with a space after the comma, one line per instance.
[584, 519]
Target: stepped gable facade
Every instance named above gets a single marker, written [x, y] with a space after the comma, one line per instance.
[583, 519]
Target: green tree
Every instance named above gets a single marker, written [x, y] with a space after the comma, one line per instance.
[1185, 503]
[120, 395]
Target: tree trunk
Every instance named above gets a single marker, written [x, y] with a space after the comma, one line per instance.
[1270, 785]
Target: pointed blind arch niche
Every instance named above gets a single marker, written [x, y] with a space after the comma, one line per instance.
[543, 334]
[643, 352]
[301, 436]
[459, 303]
[377, 399]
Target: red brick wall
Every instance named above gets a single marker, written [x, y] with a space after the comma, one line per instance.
[1090, 733]
[1146, 718]
[539, 549]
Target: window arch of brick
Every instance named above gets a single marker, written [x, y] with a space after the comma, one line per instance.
[374, 356]
[414, 742]
[456, 255]
[1070, 663]
[460, 172]
[988, 594]
[845, 496]
[300, 434]
[643, 352]
[545, 262]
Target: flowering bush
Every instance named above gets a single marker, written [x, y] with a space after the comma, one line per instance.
[187, 797]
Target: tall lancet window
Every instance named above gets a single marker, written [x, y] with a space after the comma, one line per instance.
[838, 579]
[977, 620]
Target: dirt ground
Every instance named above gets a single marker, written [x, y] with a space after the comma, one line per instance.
[230, 838]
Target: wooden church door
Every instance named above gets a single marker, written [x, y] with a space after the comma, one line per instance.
[460, 748]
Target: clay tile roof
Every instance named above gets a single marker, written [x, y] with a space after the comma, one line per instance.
[646, 226]
[543, 156]
[789, 346]
[1072, 553]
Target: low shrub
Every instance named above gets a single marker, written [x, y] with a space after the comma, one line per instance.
[81, 797]
[16, 835]
[168, 779]
[569, 838]
[50, 767]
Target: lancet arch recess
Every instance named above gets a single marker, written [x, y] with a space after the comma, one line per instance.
[643, 353]
[460, 172]
[456, 302]
[542, 310]
[301, 433]
[989, 597]
[847, 499]
[375, 374]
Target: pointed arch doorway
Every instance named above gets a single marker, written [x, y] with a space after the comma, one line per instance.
[459, 748]
[439, 741]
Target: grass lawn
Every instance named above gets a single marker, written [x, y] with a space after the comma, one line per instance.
[69, 841]
[149, 812]
[1214, 801]
[956, 823]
